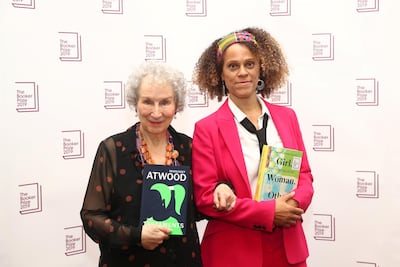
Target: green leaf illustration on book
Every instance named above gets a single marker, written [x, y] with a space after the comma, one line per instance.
[165, 193]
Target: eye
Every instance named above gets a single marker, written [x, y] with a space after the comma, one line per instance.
[146, 101]
[250, 64]
[165, 102]
[232, 66]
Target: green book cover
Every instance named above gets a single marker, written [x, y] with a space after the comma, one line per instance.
[278, 173]
[164, 196]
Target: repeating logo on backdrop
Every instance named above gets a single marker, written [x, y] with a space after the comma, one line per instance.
[367, 6]
[27, 97]
[196, 98]
[196, 8]
[75, 240]
[23, 4]
[324, 227]
[367, 184]
[112, 7]
[324, 138]
[70, 46]
[282, 96]
[323, 46]
[367, 92]
[30, 198]
[114, 95]
[155, 48]
[280, 8]
[367, 264]
[73, 144]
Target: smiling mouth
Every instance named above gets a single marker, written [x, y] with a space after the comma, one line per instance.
[157, 123]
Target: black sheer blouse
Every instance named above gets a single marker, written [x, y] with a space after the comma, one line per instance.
[111, 207]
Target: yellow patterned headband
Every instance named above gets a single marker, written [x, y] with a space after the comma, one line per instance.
[232, 38]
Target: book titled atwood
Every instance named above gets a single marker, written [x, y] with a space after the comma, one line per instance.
[278, 173]
[164, 197]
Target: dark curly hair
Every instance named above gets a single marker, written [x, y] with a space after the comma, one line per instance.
[273, 66]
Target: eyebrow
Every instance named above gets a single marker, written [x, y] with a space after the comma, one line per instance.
[151, 98]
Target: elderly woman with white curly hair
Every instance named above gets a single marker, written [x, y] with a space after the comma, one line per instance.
[111, 207]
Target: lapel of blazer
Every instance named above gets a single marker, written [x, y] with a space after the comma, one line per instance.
[228, 129]
[282, 121]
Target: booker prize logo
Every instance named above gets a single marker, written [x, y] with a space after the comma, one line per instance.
[23, 4]
[70, 46]
[73, 144]
[324, 227]
[196, 98]
[280, 8]
[196, 8]
[114, 95]
[367, 184]
[30, 198]
[323, 46]
[112, 7]
[282, 96]
[367, 6]
[367, 264]
[155, 47]
[75, 240]
[27, 96]
[324, 139]
[367, 92]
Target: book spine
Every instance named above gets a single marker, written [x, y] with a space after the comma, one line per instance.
[265, 155]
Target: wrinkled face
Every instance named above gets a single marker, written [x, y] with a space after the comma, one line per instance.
[241, 71]
[156, 107]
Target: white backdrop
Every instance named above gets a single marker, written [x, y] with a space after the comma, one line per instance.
[63, 68]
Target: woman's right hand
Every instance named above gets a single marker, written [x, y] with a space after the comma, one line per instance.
[153, 235]
[224, 198]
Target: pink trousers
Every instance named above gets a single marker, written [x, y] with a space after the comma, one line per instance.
[274, 252]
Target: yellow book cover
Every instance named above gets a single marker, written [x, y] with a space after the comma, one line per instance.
[278, 173]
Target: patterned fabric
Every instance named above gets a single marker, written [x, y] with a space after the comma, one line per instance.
[111, 208]
[232, 38]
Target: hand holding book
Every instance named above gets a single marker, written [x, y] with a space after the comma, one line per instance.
[153, 235]
[287, 212]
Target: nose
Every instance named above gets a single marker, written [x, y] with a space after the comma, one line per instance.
[156, 113]
[242, 70]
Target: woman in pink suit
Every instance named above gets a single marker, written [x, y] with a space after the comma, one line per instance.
[246, 66]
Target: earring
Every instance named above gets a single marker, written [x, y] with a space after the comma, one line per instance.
[260, 85]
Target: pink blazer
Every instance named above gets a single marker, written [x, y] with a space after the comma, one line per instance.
[234, 238]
